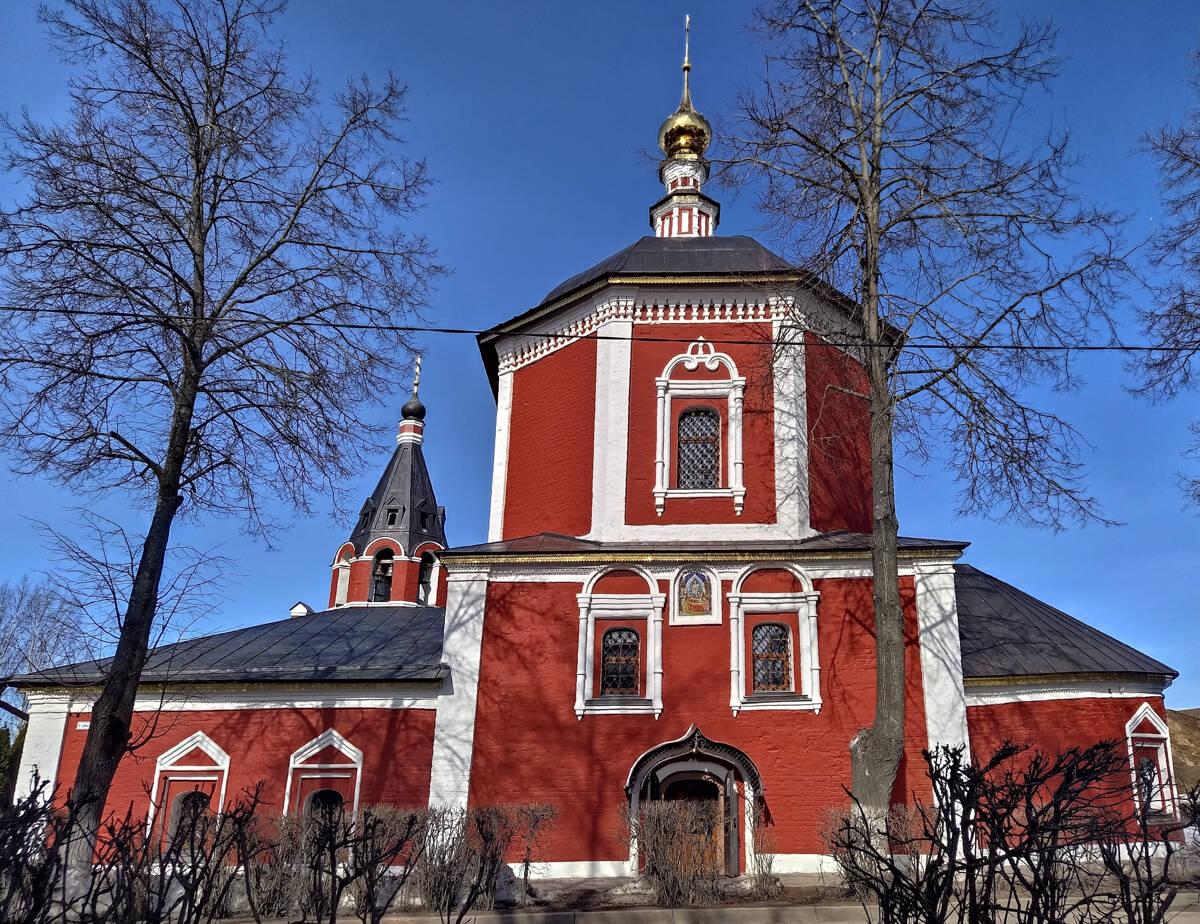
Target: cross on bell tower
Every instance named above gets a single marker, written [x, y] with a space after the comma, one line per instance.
[683, 137]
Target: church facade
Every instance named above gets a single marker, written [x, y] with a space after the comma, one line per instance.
[674, 600]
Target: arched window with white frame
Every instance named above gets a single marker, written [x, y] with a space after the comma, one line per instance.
[695, 455]
[1149, 743]
[195, 768]
[327, 763]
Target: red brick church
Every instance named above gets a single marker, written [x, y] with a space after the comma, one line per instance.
[674, 599]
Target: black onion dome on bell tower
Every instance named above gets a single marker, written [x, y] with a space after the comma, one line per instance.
[413, 409]
[403, 506]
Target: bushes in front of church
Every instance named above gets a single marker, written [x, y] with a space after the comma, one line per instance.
[1022, 837]
[325, 865]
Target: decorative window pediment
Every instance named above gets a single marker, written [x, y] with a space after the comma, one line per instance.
[625, 675]
[688, 457]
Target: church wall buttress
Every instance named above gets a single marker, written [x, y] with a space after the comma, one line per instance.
[839, 449]
[550, 444]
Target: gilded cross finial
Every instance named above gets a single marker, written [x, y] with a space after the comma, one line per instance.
[686, 101]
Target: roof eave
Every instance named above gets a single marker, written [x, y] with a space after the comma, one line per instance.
[488, 338]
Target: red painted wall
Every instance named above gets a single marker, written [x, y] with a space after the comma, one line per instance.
[397, 748]
[549, 486]
[1053, 725]
[839, 449]
[647, 361]
[528, 670]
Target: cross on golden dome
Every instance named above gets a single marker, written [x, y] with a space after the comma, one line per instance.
[685, 133]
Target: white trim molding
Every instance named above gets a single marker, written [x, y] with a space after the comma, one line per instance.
[454, 728]
[169, 763]
[1026, 691]
[646, 608]
[699, 353]
[945, 698]
[806, 667]
[327, 739]
[1166, 797]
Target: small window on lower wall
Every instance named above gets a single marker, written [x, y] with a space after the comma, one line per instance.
[187, 812]
[324, 805]
[620, 663]
[771, 647]
[1149, 743]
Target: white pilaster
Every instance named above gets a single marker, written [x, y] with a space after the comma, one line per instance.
[500, 456]
[43, 741]
[611, 436]
[941, 654]
[454, 729]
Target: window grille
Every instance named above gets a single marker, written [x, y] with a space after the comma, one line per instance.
[326, 805]
[381, 577]
[699, 449]
[189, 808]
[772, 659]
[619, 669]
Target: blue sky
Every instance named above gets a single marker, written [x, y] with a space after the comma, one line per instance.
[532, 117]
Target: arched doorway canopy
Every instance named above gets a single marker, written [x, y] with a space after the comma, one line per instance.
[695, 746]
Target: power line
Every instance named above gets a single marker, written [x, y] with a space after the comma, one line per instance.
[911, 343]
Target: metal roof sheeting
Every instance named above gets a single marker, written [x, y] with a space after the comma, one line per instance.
[350, 643]
[1005, 632]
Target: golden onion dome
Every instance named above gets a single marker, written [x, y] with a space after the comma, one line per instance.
[685, 132]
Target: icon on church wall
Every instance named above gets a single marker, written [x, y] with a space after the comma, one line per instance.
[695, 594]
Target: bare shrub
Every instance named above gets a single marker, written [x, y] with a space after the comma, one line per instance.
[461, 858]
[763, 884]
[273, 853]
[1021, 838]
[30, 871]
[679, 846]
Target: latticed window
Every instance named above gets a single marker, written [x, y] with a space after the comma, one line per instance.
[772, 658]
[381, 576]
[699, 448]
[619, 670]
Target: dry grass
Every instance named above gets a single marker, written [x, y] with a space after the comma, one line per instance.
[1185, 745]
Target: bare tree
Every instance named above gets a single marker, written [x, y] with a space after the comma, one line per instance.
[1173, 324]
[199, 285]
[890, 144]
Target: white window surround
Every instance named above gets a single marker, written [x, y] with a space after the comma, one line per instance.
[645, 610]
[168, 763]
[679, 619]
[328, 738]
[806, 665]
[698, 353]
[1166, 797]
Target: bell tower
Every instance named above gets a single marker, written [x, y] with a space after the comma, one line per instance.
[390, 556]
[684, 137]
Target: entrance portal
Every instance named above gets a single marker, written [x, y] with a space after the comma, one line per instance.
[693, 768]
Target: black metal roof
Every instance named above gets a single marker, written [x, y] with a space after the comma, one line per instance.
[1005, 632]
[349, 643]
[740, 258]
[699, 256]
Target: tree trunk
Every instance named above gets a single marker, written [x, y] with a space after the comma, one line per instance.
[112, 714]
[876, 751]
